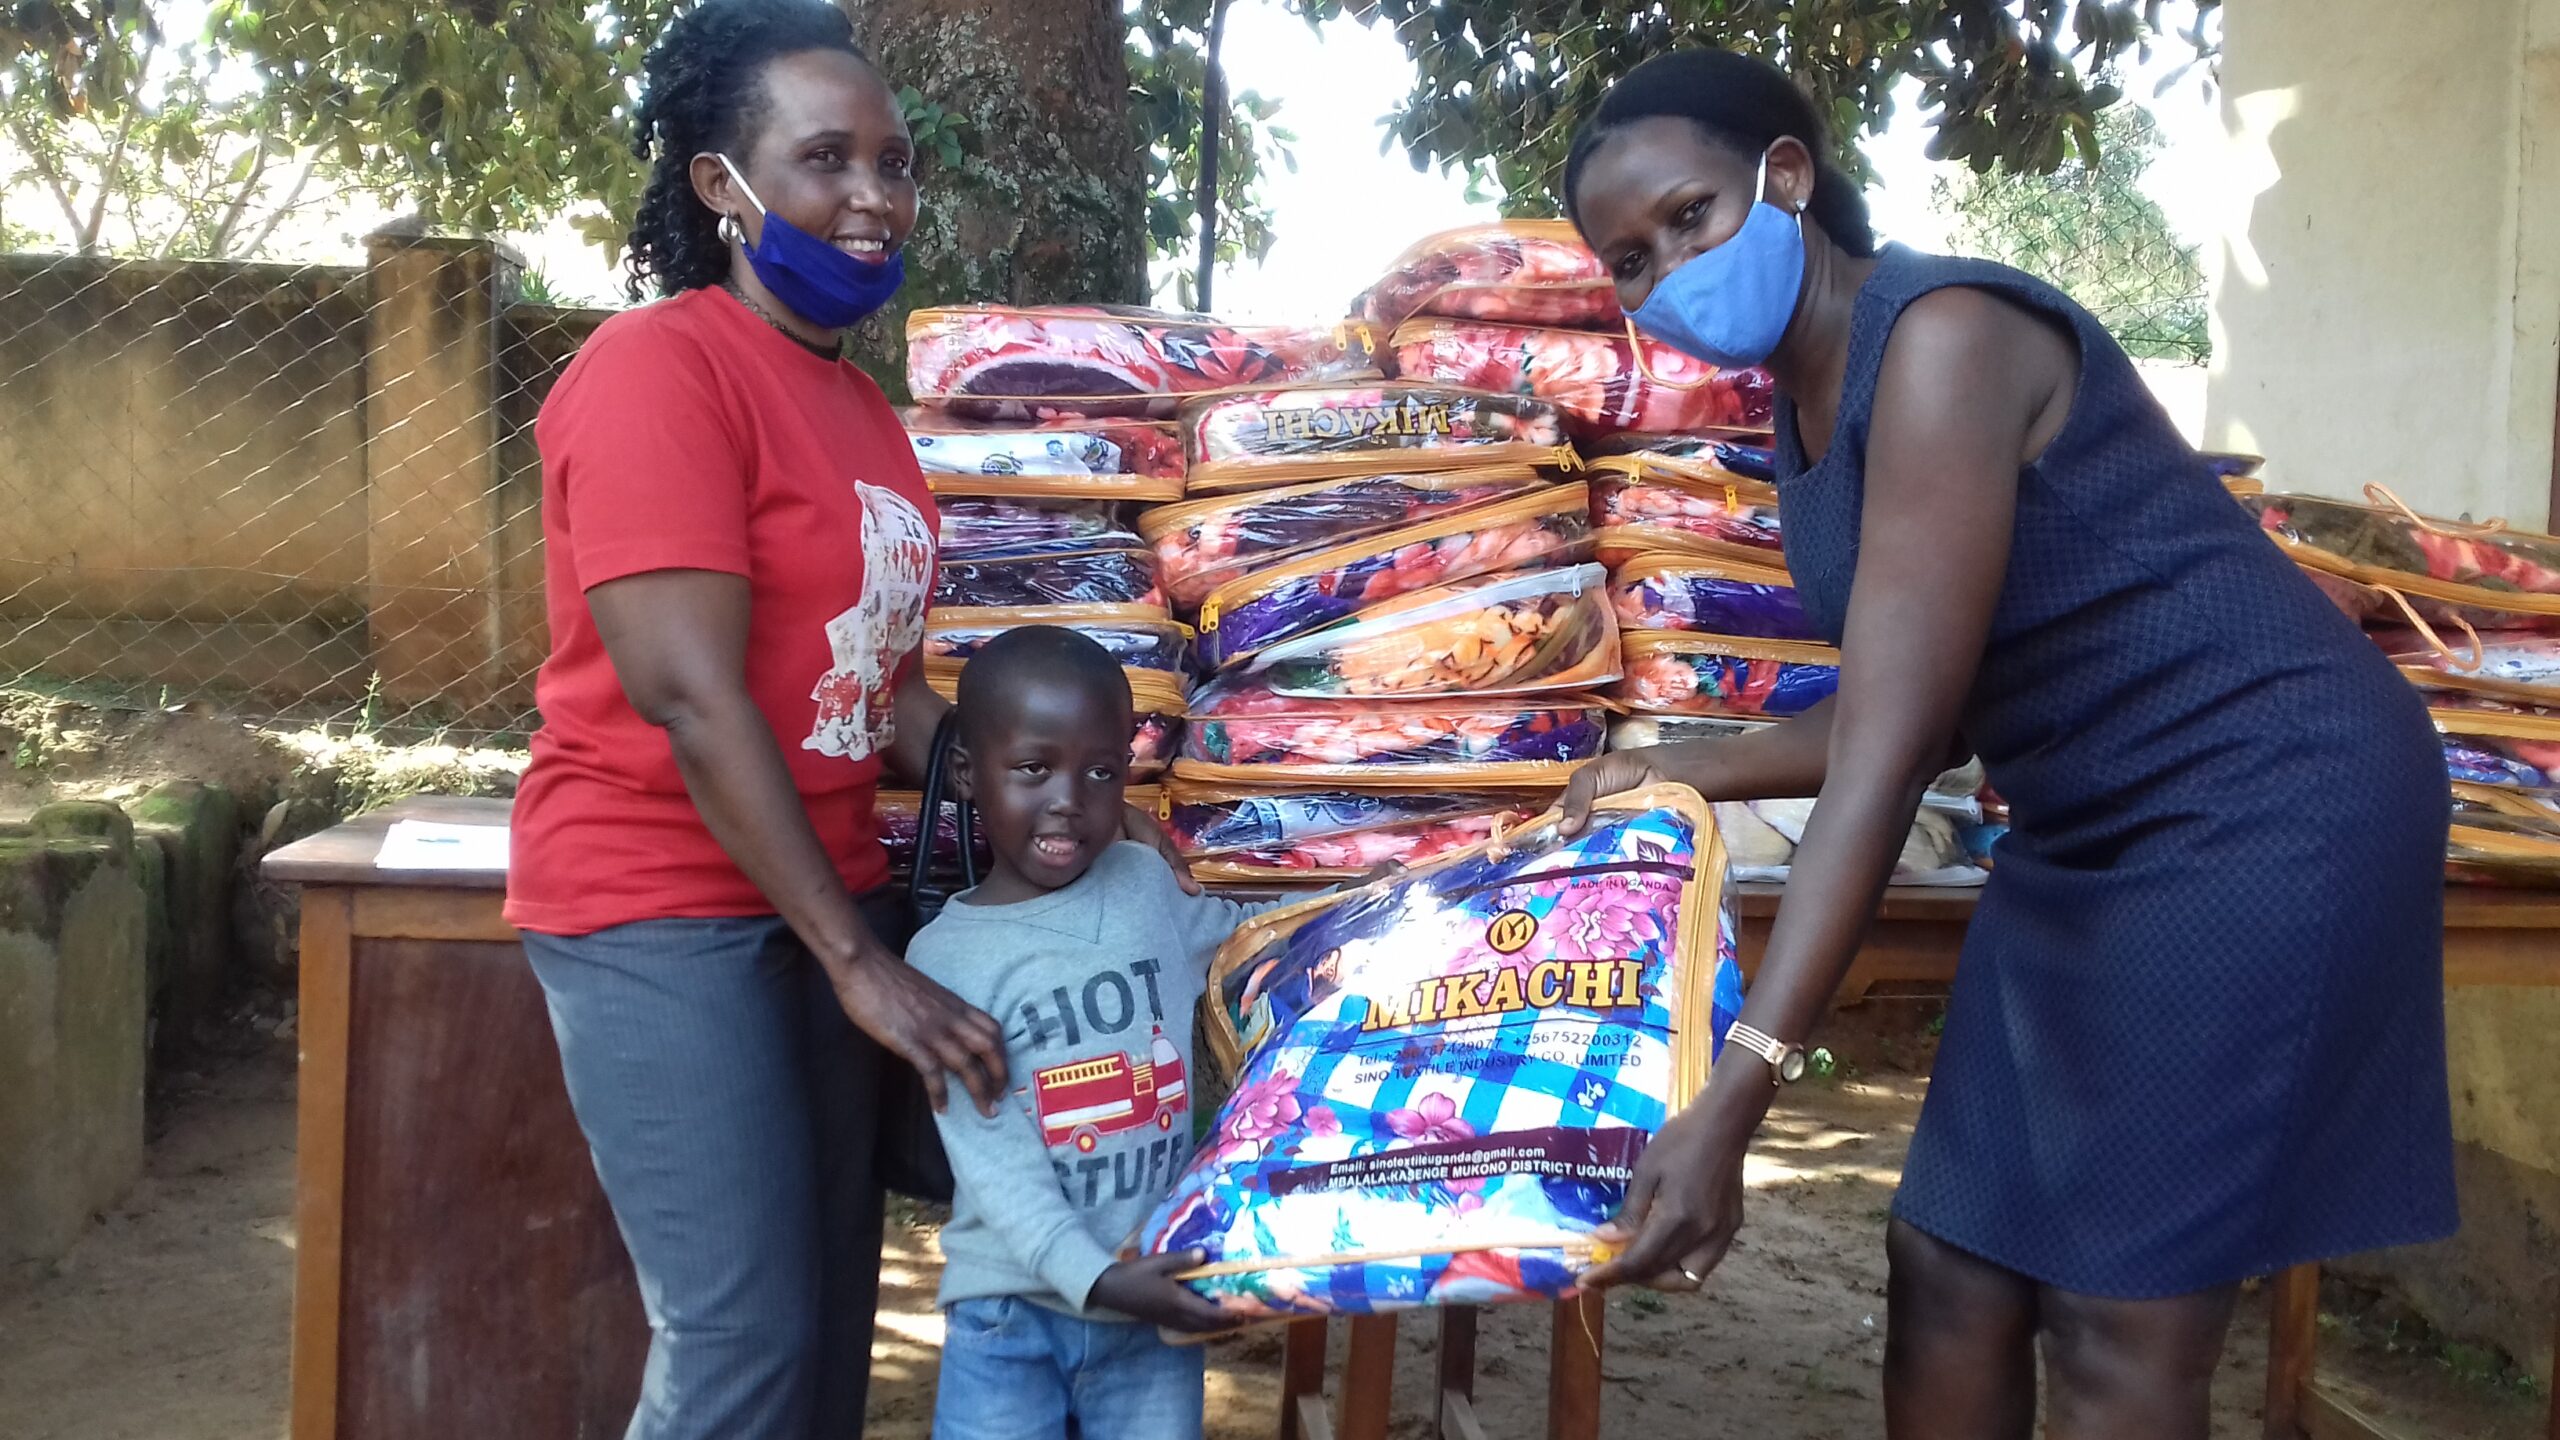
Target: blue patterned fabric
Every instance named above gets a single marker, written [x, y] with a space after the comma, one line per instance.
[2197, 1033]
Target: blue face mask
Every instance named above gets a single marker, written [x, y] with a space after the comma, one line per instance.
[822, 284]
[1728, 306]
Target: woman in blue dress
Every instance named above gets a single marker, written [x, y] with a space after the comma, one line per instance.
[2197, 1032]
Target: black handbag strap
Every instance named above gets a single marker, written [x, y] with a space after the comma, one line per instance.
[924, 897]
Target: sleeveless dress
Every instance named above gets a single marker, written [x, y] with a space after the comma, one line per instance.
[2197, 1033]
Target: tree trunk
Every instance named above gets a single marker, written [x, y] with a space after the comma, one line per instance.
[1050, 204]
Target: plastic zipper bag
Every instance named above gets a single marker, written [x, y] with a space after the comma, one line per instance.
[1257, 439]
[995, 362]
[1122, 576]
[1659, 591]
[1239, 731]
[1533, 272]
[1543, 528]
[1442, 1083]
[975, 528]
[1137, 637]
[1672, 673]
[1202, 544]
[1602, 382]
[1542, 630]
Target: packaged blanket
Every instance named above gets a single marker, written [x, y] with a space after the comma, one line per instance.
[1002, 363]
[1202, 544]
[1136, 636]
[1663, 591]
[1538, 529]
[1442, 1083]
[2514, 669]
[1528, 272]
[1240, 732]
[1710, 454]
[1595, 379]
[1257, 439]
[985, 529]
[1506, 634]
[2512, 847]
[1122, 576]
[1070, 457]
[2488, 744]
[1216, 821]
[1354, 853]
[1156, 699]
[2499, 577]
[1679, 674]
[1680, 501]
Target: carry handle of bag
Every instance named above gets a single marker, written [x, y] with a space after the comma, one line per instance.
[2427, 632]
[1635, 346]
[2381, 494]
[924, 898]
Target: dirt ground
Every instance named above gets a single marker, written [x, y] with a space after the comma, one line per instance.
[169, 1322]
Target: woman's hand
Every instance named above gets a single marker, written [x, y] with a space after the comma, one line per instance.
[1683, 1206]
[1138, 825]
[923, 1024]
[1611, 774]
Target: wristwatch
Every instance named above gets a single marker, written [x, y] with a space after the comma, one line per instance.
[1786, 1062]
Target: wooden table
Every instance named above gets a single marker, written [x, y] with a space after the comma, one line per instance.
[457, 1270]
[2491, 938]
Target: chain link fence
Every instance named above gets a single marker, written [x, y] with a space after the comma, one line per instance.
[308, 493]
[302, 493]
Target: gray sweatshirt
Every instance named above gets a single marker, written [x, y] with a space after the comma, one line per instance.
[1095, 986]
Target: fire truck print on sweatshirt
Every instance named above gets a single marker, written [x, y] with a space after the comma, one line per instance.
[1095, 986]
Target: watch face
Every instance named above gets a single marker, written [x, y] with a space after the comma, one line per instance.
[1791, 1066]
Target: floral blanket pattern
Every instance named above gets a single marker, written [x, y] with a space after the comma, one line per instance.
[1447, 1080]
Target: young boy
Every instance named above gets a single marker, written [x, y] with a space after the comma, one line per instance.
[1089, 954]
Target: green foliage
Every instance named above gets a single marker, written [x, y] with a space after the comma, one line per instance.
[935, 130]
[1501, 84]
[2090, 230]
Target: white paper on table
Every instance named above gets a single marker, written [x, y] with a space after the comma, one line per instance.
[426, 845]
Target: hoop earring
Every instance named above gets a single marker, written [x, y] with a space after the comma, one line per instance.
[732, 232]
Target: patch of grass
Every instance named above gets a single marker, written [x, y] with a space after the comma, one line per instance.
[1645, 1302]
[2381, 1323]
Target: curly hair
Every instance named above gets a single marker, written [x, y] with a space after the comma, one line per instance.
[705, 94]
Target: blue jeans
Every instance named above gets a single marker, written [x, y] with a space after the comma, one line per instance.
[1012, 1370]
[728, 1103]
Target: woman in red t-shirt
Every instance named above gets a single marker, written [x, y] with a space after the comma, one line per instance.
[740, 550]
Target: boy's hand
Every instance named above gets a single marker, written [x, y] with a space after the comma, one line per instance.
[1144, 1289]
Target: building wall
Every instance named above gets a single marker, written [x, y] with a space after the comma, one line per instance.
[2386, 277]
[2386, 288]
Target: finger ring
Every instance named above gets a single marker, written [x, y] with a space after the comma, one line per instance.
[1692, 1276]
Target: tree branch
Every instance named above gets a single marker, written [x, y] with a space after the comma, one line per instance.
[292, 198]
[54, 180]
[221, 242]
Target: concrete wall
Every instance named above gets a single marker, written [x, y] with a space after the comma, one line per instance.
[2387, 308]
[282, 479]
[2386, 282]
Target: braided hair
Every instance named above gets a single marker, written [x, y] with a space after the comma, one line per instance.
[1741, 102]
[705, 94]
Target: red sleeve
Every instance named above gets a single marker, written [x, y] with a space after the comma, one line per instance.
[653, 469]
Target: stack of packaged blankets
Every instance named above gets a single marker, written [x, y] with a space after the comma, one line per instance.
[1405, 638]
[1043, 433]
[1369, 588]
[2471, 615]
